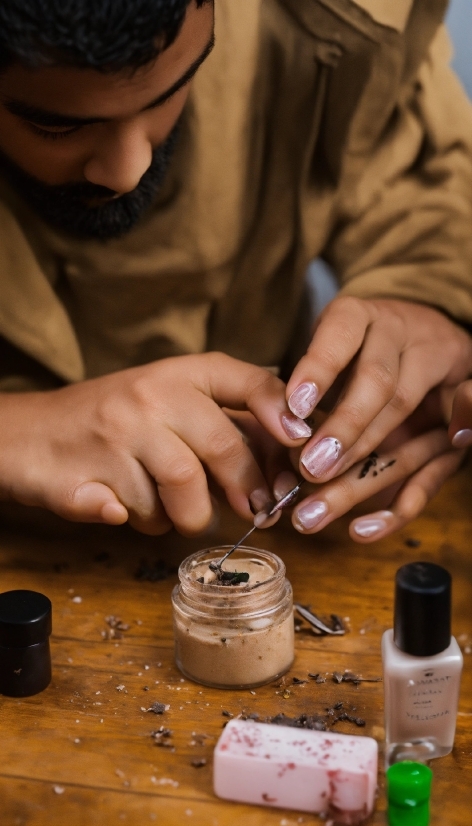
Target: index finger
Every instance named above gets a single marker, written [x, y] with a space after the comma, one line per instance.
[237, 385]
[337, 340]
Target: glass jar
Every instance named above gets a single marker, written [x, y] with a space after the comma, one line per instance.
[233, 636]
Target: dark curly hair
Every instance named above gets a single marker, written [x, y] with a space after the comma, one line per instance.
[106, 35]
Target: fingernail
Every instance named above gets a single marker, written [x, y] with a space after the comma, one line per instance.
[258, 499]
[303, 399]
[263, 520]
[321, 457]
[284, 482]
[369, 527]
[463, 438]
[296, 428]
[114, 513]
[309, 515]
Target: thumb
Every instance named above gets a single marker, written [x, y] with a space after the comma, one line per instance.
[95, 502]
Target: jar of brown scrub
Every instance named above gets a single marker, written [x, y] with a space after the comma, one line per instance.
[233, 635]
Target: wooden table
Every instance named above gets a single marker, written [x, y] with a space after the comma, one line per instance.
[82, 753]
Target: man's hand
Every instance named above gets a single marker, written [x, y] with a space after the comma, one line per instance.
[139, 443]
[388, 355]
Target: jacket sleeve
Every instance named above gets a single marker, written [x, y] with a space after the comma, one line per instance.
[404, 230]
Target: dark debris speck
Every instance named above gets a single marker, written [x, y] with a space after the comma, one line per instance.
[153, 571]
[162, 737]
[412, 543]
[318, 678]
[316, 722]
[158, 708]
[350, 677]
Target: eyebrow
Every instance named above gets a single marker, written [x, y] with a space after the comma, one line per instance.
[46, 117]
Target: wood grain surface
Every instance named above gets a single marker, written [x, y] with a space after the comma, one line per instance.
[81, 753]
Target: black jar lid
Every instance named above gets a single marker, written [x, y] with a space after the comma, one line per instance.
[25, 618]
[422, 617]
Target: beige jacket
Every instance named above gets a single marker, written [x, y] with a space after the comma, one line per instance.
[328, 127]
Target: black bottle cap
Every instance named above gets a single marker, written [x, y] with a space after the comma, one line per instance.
[25, 618]
[25, 659]
[422, 617]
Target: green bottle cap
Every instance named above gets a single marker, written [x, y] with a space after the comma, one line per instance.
[408, 791]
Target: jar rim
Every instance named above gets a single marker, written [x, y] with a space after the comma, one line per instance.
[217, 552]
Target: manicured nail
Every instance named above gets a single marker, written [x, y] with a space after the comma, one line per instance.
[258, 499]
[369, 527]
[309, 515]
[296, 428]
[303, 399]
[321, 457]
[463, 438]
[284, 482]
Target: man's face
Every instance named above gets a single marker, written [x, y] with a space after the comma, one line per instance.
[90, 150]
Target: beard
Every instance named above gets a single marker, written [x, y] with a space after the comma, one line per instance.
[65, 206]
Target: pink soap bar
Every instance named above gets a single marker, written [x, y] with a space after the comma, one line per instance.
[292, 768]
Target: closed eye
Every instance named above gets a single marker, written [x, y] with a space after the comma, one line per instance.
[53, 134]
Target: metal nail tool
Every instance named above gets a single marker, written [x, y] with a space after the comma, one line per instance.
[317, 623]
[282, 503]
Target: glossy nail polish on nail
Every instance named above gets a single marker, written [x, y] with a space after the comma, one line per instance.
[463, 438]
[303, 399]
[321, 457]
[296, 428]
[310, 514]
[369, 527]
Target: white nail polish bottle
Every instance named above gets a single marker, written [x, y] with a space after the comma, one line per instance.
[422, 666]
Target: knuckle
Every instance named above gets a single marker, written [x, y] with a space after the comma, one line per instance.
[402, 401]
[383, 377]
[179, 472]
[142, 391]
[260, 383]
[217, 361]
[347, 304]
[109, 422]
[340, 494]
[330, 356]
[225, 447]
[355, 415]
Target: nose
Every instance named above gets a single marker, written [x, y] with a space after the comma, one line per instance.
[120, 159]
